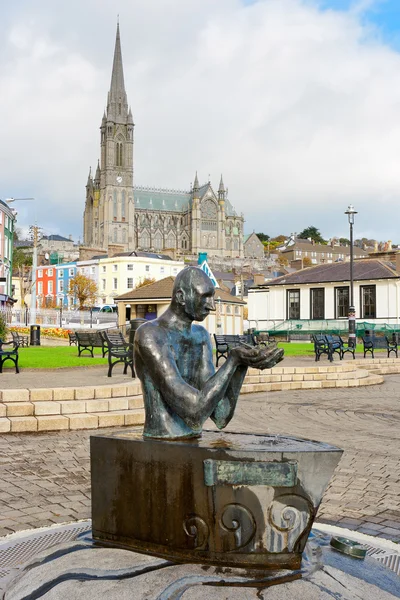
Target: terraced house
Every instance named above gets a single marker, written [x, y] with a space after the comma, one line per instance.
[6, 251]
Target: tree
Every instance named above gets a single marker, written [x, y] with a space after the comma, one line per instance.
[144, 281]
[344, 242]
[282, 261]
[313, 233]
[263, 237]
[84, 289]
[307, 261]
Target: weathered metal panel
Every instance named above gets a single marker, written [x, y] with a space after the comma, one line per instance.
[223, 472]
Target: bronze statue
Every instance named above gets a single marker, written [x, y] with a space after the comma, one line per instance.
[173, 360]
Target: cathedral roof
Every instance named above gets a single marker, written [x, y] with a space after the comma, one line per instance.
[147, 198]
[161, 199]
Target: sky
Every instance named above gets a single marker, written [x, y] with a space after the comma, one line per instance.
[295, 102]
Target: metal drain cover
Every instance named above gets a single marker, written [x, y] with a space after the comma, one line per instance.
[17, 552]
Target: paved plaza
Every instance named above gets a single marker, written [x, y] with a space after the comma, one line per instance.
[45, 478]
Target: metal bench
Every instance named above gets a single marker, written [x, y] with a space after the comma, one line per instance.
[120, 350]
[223, 343]
[372, 342]
[72, 338]
[11, 354]
[21, 340]
[88, 340]
[321, 346]
[338, 345]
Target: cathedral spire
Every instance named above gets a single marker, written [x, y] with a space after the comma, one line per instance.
[196, 184]
[89, 179]
[221, 189]
[117, 77]
[117, 105]
[97, 175]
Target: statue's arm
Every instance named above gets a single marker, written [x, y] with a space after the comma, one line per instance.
[225, 408]
[192, 405]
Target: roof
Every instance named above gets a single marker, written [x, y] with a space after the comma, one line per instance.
[162, 289]
[148, 198]
[364, 269]
[306, 245]
[250, 235]
[56, 238]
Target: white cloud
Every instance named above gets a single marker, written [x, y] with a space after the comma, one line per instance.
[298, 107]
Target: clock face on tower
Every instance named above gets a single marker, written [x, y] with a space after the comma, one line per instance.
[119, 179]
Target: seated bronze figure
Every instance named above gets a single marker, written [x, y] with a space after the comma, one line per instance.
[173, 360]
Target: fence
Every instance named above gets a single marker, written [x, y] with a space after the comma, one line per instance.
[68, 319]
[302, 328]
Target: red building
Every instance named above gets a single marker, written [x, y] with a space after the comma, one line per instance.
[46, 286]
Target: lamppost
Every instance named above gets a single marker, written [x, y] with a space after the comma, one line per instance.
[350, 212]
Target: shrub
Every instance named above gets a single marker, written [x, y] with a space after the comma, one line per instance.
[3, 327]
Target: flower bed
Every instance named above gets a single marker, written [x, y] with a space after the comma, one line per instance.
[51, 332]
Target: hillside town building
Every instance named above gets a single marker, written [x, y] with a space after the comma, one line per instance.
[145, 218]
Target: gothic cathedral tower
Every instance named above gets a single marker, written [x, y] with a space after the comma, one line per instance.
[109, 209]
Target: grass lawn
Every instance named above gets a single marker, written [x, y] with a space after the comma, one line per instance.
[56, 357]
[297, 349]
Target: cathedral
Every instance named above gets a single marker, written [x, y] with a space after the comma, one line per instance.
[146, 218]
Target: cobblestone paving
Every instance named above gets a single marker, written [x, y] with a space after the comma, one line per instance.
[45, 479]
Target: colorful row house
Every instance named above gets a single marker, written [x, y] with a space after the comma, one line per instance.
[65, 272]
[46, 287]
[7, 219]
[113, 276]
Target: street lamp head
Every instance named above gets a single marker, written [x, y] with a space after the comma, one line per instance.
[350, 212]
[10, 200]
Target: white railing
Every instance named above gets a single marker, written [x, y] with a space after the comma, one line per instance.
[54, 317]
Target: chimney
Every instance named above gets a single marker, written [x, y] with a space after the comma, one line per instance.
[259, 278]
[70, 237]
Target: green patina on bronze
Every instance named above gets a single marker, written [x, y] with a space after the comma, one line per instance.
[277, 474]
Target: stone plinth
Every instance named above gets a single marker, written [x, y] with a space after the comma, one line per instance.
[224, 499]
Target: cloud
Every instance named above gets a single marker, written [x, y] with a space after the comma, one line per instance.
[297, 106]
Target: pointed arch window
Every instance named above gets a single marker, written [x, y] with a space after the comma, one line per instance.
[145, 240]
[171, 241]
[119, 154]
[115, 205]
[123, 203]
[158, 242]
[115, 235]
[124, 236]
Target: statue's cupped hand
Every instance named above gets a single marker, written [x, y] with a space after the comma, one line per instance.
[259, 357]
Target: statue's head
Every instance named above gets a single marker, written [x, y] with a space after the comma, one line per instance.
[193, 294]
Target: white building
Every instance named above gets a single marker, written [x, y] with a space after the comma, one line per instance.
[322, 293]
[150, 301]
[121, 273]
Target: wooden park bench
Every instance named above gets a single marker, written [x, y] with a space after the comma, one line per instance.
[120, 350]
[223, 343]
[21, 340]
[372, 342]
[338, 345]
[11, 354]
[321, 346]
[72, 338]
[88, 340]
[331, 344]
